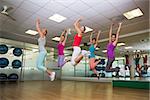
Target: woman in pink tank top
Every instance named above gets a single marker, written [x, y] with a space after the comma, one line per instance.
[60, 47]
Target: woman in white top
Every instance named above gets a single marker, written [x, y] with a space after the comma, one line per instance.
[42, 51]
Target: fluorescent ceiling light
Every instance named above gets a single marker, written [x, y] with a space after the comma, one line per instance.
[31, 32]
[56, 39]
[57, 18]
[121, 44]
[133, 13]
[129, 47]
[104, 51]
[88, 29]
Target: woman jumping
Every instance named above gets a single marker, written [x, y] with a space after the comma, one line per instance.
[60, 47]
[77, 54]
[137, 58]
[92, 62]
[113, 39]
[42, 51]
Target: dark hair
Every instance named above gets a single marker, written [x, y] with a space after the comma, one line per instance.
[84, 28]
[113, 34]
[46, 31]
[63, 35]
[94, 39]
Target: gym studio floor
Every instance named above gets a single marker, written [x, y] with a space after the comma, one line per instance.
[68, 90]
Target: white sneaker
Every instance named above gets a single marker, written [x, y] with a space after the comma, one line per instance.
[52, 76]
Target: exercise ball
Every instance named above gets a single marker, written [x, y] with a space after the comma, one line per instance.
[4, 62]
[102, 61]
[3, 77]
[100, 68]
[17, 52]
[3, 49]
[13, 77]
[16, 64]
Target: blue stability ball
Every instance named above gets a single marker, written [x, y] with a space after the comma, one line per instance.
[17, 52]
[3, 49]
[16, 64]
[100, 68]
[3, 77]
[13, 77]
[4, 62]
[102, 61]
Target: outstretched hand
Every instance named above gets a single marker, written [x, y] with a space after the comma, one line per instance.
[80, 18]
[120, 23]
[38, 20]
[99, 31]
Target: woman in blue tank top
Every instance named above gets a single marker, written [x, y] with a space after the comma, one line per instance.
[92, 62]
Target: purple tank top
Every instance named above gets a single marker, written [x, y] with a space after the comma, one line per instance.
[110, 50]
[60, 47]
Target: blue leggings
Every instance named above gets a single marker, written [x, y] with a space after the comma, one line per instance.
[61, 61]
[41, 61]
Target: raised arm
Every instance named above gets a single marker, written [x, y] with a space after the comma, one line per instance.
[63, 33]
[64, 42]
[97, 38]
[78, 26]
[38, 28]
[110, 32]
[117, 35]
[91, 36]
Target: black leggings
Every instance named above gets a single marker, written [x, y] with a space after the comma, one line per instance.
[109, 63]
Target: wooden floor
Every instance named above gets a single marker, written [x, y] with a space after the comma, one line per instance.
[68, 90]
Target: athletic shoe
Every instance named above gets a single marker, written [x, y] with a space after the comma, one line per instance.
[67, 60]
[98, 77]
[52, 76]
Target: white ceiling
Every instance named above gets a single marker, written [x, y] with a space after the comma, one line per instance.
[96, 13]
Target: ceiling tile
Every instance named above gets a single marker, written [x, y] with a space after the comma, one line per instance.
[66, 3]
[45, 13]
[67, 13]
[14, 2]
[110, 14]
[74, 18]
[67, 23]
[89, 13]
[100, 19]
[102, 7]
[10, 25]
[3, 17]
[54, 6]
[21, 15]
[39, 2]
[93, 3]
[123, 6]
[29, 6]
[79, 6]
[119, 2]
